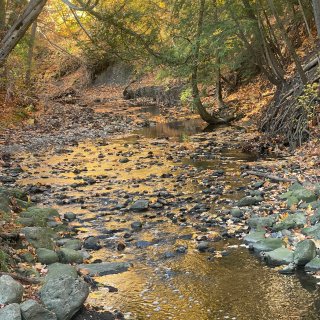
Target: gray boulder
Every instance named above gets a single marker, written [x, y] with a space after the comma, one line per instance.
[57, 269]
[295, 220]
[92, 243]
[70, 256]
[249, 201]
[40, 237]
[40, 216]
[203, 246]
[74, 244]
[10, 312]
[236, 213]
[261, 222]
[32, 310]
[140, 205]
[313, 265]
[278, 257]
[254, 237]
[267, 245]
[315, 218]
[304, 195]
[64, 295]
[305, 252]
[105, 268]
[11, 291]
[47, 256]
[313, 231]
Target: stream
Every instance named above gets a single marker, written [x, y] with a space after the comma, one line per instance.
[188, 188]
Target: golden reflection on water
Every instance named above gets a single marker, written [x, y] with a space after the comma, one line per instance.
[235, 287]
[189, 286]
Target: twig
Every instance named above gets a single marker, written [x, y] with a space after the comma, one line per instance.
[270, 176]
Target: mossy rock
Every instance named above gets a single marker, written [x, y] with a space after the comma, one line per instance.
[262, 222]
[268, 244]
[295, 220]
[15, 193]
[3, 261]
[40, 237]
[279, 257]
[4, 204]
[313, 231]
[40, 216]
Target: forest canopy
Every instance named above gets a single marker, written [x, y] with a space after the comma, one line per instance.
[202, 43]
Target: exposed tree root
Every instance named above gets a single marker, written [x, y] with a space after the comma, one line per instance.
[270, 176]
[286, 117]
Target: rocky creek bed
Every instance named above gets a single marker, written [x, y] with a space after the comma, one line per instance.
[166, 223]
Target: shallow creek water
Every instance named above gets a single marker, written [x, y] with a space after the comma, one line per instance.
[185, 286]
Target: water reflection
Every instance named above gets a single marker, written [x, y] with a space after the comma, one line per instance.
[191, 286]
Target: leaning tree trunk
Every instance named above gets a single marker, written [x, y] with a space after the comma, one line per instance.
[20, 27]
[204, 114]
[30, 52]
[2, 17]
[288, 43]
[316, 10]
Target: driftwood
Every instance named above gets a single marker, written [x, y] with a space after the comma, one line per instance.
[21, 278]
[270, 176]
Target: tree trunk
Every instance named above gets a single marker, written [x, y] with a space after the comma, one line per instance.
[30, 52]
[204, 114]
[316, 11]
[2, 17]
[256, 55]
[219, 97]
[20, 27]
[288, 43]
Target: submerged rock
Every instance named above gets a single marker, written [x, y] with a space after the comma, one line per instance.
[203, 246]
[254, 237]
[91, 243]
[278, 257]
[140, 205]
[105, 268]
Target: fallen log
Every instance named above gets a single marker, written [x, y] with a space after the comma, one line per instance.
[270, 176]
